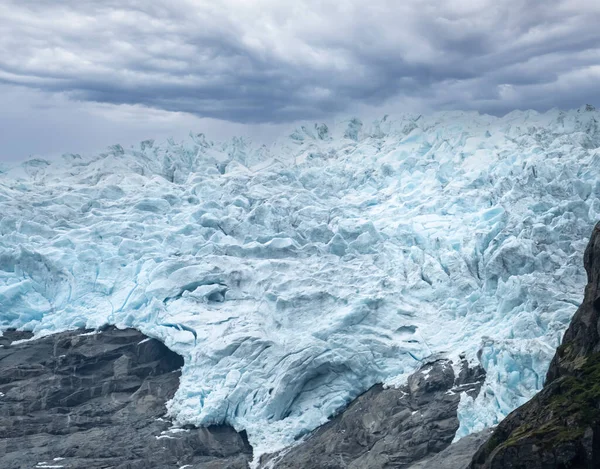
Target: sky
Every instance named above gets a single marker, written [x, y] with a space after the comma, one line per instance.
[79, 75]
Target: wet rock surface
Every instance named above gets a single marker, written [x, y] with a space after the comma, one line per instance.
[97, 400]
[560, 427]
[385, 428]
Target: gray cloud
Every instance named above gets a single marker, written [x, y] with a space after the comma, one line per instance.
[37, 123]
[256, 61]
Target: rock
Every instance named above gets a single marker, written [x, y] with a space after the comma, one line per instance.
[560, 427]
[456, 456]
[81, 399]
[97, 400]
[11, 336]
[386, 428]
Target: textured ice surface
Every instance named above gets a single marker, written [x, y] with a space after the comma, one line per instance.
[294, 277]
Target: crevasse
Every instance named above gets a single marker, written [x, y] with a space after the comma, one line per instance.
[294, 277]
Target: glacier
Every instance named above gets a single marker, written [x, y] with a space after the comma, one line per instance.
[293, 277]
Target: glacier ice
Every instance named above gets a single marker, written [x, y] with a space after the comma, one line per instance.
[293, 277]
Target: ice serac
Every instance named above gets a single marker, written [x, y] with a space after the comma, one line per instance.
[292, 278]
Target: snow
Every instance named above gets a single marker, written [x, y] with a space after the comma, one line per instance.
[293, 277]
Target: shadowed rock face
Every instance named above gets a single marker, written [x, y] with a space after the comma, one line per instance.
[560, 427]
[98, 401]
[385, 428]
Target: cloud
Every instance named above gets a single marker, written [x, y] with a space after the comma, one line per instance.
[37, 123]
[255, 61]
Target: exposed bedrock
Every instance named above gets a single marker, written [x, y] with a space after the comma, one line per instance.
[97, 400]
[456, 456]
[385, 428]
[560, 427]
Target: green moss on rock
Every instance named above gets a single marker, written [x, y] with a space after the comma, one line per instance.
[558, 417]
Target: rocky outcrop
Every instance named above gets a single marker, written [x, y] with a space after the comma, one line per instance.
[385, 428]
[560, 427]
[456, 456]
[97, 400]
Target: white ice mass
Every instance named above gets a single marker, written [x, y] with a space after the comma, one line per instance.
[294, 277]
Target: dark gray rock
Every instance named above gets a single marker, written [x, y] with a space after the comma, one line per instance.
[560, 427]
[11, 336]
[98, 401]
[385, 428]
[456, 456]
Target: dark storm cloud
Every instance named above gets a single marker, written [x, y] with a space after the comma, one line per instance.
[273, 61]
